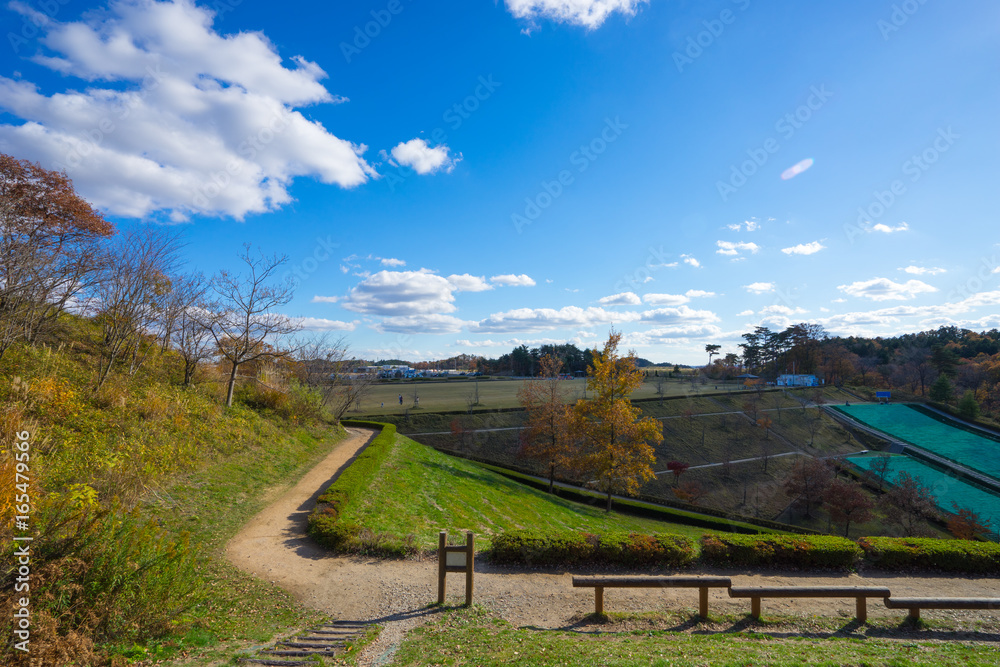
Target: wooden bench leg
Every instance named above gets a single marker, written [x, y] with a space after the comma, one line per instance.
[703, 601]
[914, 613]
[599, 600]
[862, 612]
[755, 607]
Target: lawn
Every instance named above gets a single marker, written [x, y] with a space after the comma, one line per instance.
[422, 491]
[471, 637]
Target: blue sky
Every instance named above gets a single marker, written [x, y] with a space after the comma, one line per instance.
[449, 177]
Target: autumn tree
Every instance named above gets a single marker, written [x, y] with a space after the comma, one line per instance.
[879, 467]
[325, 365]
[807, 482]
[49, 241]
[909, 503]
[615, 442]
[678, 468]
[847, 502]
[242, 318]
[547, 436]
[966, 524]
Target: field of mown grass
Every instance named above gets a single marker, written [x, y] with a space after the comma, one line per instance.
[422, 491]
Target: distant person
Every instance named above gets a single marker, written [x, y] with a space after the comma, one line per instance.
[382, 405]
[400, 399]
[416, 401]
[847, 403]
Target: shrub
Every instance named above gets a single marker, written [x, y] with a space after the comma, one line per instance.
[804, 551]
[901, 553]
[563, 548]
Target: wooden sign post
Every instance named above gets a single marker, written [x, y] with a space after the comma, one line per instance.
[456, 559]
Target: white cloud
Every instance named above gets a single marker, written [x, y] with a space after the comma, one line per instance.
[883, 289]
[682, 315]
[735, 248]
[996, 270]
[401, 293]
[511, 280]
[921, 270]
[469, 283]
[665, 299]
[782, 310]
[750, 225]
[886, 229]
[759, 288]
[587, 13]
[320, 324]
[527, 320]
[325, 299]
[804, 248]
[423, 159]
[623, 299]
[420, 324]
[391, 261]
[691, 261]
[698, 294]
[185, 121]
[745, 313]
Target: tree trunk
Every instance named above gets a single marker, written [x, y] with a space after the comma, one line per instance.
[232, 384]
[608, 507]
[552, 477]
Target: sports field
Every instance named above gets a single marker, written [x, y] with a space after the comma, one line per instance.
[944, 487]
[975, 451]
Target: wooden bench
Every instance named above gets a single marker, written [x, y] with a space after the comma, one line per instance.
[861, 593]
[916, 604]
[701, 583]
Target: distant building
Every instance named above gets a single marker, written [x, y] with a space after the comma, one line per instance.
[797, 380]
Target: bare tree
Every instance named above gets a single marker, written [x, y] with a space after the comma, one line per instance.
[909, 503]
[186, 292]
[325, 365]
[847, 503]
[242, 318]
[807, 481]
[193, 341]
[879, 468]
[48, 241]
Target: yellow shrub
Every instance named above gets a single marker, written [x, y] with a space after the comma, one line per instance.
[54, 398]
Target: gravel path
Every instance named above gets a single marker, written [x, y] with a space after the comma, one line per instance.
[273, 546]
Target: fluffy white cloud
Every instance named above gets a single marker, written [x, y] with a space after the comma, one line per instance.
[511, 280]
[325, 299]
[674, 334]
[401, 293]
[623, 299]
[804, 248]
[391, 261]
[886, 229]
[750, 225]
[527, 320]
[186, 121]
[587, 13]
[921, 270]
[682, 316]
[777, 309]
[735, 248]
[698, 294]
[759, 288]
[691, 261]
[423, 159]
[320, 324]
[666, 299]
[469, 283]
[420, 324]
[745, 313]
[883, 289]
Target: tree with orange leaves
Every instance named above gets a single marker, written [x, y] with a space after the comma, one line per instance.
[615, 451]
[48, 241]
[546, 436]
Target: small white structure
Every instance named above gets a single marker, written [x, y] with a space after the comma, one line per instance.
[797, 380]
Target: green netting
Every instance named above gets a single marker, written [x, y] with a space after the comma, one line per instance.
[944, 487]
[904, 422]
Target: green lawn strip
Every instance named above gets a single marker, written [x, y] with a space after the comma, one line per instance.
[212, 504]
[422, 491]
[471, 637]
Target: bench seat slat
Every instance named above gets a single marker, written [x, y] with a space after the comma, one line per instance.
[652, 582]
[809, 591]
[942, 603]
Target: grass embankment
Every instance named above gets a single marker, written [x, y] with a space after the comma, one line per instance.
[421, 491]
[470, 636]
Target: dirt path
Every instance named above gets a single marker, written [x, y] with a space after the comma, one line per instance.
[273, 546]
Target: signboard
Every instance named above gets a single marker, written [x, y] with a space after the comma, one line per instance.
[456, 559]
[882, 394]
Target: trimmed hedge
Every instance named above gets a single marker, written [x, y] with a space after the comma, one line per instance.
[532, 547]
[325, 524]
[901, 553]
[801, 551]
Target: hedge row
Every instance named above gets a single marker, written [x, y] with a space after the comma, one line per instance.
[567, 548]
[532, 547]
[325, 523]
[891, 553]
[825, 551]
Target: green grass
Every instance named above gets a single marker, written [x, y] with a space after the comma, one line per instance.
[471, 637]
[423, 491]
